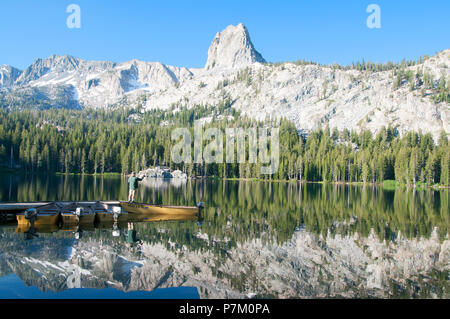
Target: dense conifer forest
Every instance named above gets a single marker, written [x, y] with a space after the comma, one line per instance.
[125, 140]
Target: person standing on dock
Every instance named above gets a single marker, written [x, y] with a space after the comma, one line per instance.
[133, 185]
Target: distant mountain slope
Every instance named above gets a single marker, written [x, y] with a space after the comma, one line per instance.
[8, 75]
[310, 95]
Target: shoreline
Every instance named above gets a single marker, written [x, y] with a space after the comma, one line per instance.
[387, 184]
[383, 184]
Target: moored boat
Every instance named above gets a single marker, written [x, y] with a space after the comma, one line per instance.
[42, 215]
[143, 218]
[76, 213]
[105, 213]
[141, 208]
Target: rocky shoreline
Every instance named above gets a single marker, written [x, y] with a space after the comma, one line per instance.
[161, 172]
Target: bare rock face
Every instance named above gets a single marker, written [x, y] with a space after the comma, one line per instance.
[53, 64]
[8, 75]
[309, 95]
[232, 48]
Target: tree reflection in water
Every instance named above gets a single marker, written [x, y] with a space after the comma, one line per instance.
[272, 239]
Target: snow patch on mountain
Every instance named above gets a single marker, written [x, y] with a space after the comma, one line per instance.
[310, 95]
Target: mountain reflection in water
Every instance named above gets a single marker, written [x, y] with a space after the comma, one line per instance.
[281, 240]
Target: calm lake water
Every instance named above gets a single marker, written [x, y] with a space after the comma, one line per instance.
[255, 239]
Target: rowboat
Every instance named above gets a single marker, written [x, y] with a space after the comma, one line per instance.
[76, 213]
[143, 218]
[105, 213]
[145, 209]
[42, 215]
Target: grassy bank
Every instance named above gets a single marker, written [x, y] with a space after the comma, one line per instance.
[387, 184]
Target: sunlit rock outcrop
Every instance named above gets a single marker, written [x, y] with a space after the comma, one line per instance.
[310, 95]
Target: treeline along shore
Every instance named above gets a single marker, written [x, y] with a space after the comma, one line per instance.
[124, 140]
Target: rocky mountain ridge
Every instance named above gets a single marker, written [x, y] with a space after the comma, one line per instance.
[311, 95]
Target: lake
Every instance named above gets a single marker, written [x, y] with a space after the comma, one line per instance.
[254, 240]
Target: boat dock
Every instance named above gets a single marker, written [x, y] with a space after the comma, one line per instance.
[80, 212]
[11, 208]
[8, 211]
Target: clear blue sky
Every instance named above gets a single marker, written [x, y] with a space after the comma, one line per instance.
[180, 32]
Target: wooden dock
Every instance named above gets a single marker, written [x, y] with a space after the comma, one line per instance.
[8, 208]
[13, 212]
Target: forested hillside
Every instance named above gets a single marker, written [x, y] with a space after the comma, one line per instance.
[101, 141]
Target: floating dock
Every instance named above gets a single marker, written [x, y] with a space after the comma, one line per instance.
[8, 211]
[17, 207]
